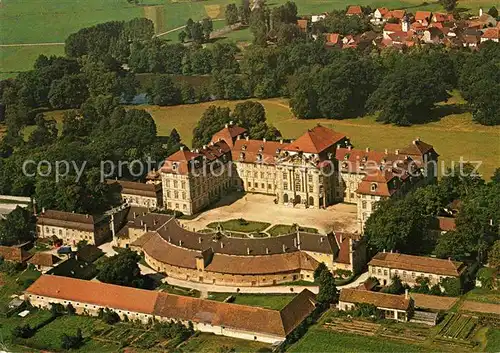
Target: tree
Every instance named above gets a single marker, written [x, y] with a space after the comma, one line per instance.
[407, 94]
[231, 14]
[24, 331]
[493, 12]
[452, 286]
[165, 92]
[449, 5]
[182, 36]
[327, 289]
[396, 286]
[207, 27]
[212, 121]
[108, 316]
[319, 270]
[70, 341]
[122, 269]
[68, 92]
[494, 255]
[252, 116]
[44, 134]
[18, 227]
[244, 12]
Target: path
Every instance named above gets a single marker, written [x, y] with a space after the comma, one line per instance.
[181, 27]
[28, 44]
[205, 288]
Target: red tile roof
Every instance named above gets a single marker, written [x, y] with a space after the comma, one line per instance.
[315, 140]
[399, 14]
[96, 293]
[12, 253]
[332, 38]
[44, 259]
[446, 223]
[136, 188]
[443, 17]
[423, 16]
[491, 33]
[392, 27]
[229, 134]
[354, 10]
[380, 300]
[302, 24]
[383, 10]
[256, 151]
[418, 264]
[83, 222]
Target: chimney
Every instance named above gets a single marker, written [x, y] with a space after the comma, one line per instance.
[267, 251]
[384, 250]
[397, 151]
[180, 242]
[199, 240]
[321, 239]
[386, 151]
[341, 238]
[87, 215]
[247, 138]
[248, 251]
[43, 210]
[406, 294]
[238, 137]
[284, 248]
[338, 145]
[135, 215]
[169, 239]
[204, 147]
[416, 140]
[263, 140]
[298, 240]
[349, 148]
[294, 242]
[367, 149]
[226, 126]
[480, 11]
[181, 148]
[231, 123]
[142, 222]
[145, 227]
[221, 245]
[281, 141]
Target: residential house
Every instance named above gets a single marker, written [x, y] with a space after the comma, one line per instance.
[424, 17]
[303, 25]
[378, 16]
[492, 34]
[14, 254]
[44, 262]
[397, 14]
[354, 10]
[317, 18]
[385, 265]
[333, 39]
[147, 195]
[395, 307]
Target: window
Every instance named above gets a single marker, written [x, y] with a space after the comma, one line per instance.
[183, 195]
[284, 175]
[310, 188]
[262, 175]
[269, 186]
[385, 272]
[413, 274]
[184, 207]
[175, 183]
[176, 194]
[373, 187]
[285, 186]
[379, 271]
[310, 178]
[255, 174]
[352, 195]
[183, 184]
[262, 185]
[168, 193]
[363, 205]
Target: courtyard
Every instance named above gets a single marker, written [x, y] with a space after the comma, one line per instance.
[261, 208]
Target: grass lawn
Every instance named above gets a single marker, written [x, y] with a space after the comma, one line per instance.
[483, 295]
[16, 59]
[322, 340]
[15, 284]
[493, 340]
[188, 292]
[280, 229]
[268, 301]
[243, 226]
[209, 343]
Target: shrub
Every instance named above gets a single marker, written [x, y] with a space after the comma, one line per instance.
[69, 342]
[24, 331]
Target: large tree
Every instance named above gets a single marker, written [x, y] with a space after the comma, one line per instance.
[165, 92]
[327, 289]
[122, 269]
[449, 5]
[231, 14]
[18, 227]
[212, 120]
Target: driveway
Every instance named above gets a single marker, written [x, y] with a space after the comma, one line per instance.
[256, 207]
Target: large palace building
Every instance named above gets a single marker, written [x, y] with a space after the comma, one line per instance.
[318, 169]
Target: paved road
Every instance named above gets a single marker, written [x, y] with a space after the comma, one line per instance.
[204, 288]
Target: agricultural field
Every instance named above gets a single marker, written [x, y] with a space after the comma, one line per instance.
[209, 343]
[26, 22]
[483, 295]
[267, 301]
[457, 327]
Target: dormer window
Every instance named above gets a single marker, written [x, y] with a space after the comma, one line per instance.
[346, 156]
[261, 148]
[365, 158]
[174, 166]
[242, 155]
[373, 187]
[259, 157]
[244, 147]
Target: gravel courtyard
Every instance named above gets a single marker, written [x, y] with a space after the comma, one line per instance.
[256, 207]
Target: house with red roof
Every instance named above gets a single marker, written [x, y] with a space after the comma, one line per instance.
[492, 34]
[378, 16]
[424, 17]
[354, 10]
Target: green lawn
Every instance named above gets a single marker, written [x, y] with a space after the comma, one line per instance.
[280, 229]
[15, 284]
[243, 226]
[322, 340]
[483, 295]
[493, 340]
[16, 59]
[268, 301]
[208, 343]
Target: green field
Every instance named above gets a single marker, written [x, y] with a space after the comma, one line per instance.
[236, 225]
[42, 21]
[267, 301]
[453, 136]
[280, 229]
[322, 340]
[208, 343]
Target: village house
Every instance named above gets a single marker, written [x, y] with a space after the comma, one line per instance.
[492, 34]
[14, 254]
[317, 18]
[44, 262]
[378, 16]
[147, 195]
[232, 320]
[409, 268]
[354, 10]
[72, 227]
[424, 17]
[395, 307]
[217, 259]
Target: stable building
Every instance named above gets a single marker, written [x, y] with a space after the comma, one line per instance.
[147, 195]
[232, 320]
